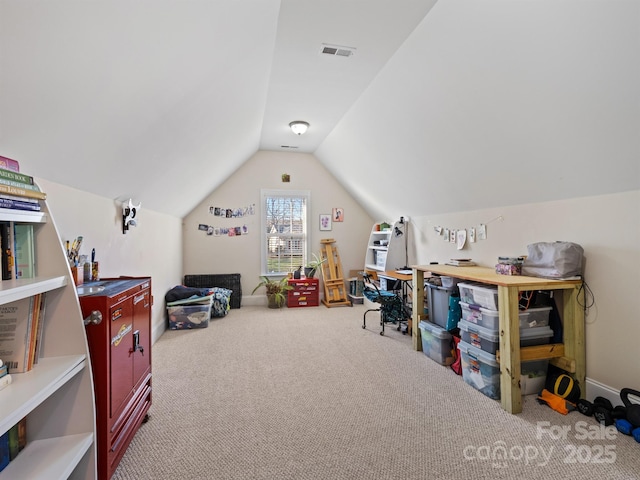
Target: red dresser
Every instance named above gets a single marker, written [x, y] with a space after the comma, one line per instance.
[305, 293]
[120, 350]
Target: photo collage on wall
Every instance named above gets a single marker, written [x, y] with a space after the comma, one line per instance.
[228, 213]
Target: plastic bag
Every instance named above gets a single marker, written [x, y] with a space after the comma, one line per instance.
[553, 260]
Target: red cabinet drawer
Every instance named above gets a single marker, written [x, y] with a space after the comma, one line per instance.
[305, 293]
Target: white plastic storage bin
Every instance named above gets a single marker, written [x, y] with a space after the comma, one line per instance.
[535, 317]
[381, 258]
[482, 295]
[480, 370]
[489, 340]
[480, 337]
[481, 316]
[436, 343]
[533, 376]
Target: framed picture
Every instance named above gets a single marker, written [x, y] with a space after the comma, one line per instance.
[338, 214]
[325, 221]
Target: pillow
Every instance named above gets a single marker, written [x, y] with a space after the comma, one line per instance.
[221, 301]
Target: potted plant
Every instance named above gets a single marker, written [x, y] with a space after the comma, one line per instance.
[312, 266]
[276, 296]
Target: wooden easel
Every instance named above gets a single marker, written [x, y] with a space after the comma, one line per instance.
[335, 291]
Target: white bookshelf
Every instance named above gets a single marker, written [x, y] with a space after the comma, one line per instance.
[385, 250]
[56, 396]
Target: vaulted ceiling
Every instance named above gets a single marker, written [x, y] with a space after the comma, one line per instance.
[432, 107]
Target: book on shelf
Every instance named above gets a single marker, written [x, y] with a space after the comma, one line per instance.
[35, 315]
[461, 262]
[7, 252]
[19, 204]
[5, 457]
[16, 176]
[16, 323]
[22, 434]
[13, 442]
[9, 164]
[39, 328]
[24, 250]
[13, 183]
[22, 192]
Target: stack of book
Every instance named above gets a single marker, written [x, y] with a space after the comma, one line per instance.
[22, 324]
[17, 190]
[461, 262]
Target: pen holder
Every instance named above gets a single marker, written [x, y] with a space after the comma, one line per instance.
[77, 274]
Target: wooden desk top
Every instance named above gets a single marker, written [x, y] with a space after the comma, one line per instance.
[405, 277]
[488, 275]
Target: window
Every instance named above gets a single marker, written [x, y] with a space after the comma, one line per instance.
[284, 230]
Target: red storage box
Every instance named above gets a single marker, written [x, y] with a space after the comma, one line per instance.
[305, 293]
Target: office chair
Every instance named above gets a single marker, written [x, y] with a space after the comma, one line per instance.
[391, 306]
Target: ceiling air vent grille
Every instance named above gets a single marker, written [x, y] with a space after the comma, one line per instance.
[337, 50]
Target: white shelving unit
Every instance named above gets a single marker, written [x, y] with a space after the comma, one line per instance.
[57, 395]
[385, 250]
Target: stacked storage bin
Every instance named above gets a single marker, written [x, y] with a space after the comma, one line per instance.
[436, 343]
[444, 314]
[480, 339]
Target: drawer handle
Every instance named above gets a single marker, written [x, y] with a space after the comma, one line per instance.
[95, 317]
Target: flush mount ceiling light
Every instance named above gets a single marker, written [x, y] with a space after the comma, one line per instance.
[299, 127]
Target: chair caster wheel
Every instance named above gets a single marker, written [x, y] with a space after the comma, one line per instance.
[363, 327]
[382, 333]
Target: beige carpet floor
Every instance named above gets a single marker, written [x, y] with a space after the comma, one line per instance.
[307, 394]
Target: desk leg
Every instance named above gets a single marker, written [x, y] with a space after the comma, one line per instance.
[418, 308]
[510, 394]
[573, 330]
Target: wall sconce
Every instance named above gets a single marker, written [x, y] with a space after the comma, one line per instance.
[299, 127]
[129, 213]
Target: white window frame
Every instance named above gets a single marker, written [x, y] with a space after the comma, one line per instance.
[265, 235]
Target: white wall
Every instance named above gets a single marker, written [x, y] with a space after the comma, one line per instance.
[153, 248]
[608, 229]
[210, 254]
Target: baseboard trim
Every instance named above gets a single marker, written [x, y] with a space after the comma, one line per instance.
[597, 389]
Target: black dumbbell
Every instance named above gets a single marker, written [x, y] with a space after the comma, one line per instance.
[602, 411]
[585, 407]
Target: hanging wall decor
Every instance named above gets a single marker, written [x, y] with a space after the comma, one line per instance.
[338, 215]
[465, 235]
[233, 212]
[325, 222]
[227, 231]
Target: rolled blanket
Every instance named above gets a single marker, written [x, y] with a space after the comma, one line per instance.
[180, 292]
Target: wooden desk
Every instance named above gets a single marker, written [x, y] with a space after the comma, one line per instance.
[569, 355]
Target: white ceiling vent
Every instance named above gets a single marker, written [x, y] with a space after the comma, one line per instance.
[337, 50]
